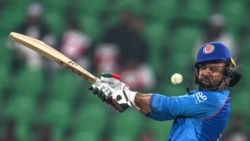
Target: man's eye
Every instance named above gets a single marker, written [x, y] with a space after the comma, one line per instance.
[213, 68]
[203, 67]
[210, 68]
[216, 68]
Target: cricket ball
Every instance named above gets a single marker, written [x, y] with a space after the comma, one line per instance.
[176, 78]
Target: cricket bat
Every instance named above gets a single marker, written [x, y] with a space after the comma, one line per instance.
[52, 54]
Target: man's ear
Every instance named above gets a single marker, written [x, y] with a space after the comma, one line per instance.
[227, 81]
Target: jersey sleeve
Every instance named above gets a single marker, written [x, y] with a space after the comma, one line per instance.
[197, 105]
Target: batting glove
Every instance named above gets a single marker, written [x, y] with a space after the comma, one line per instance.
[116, 93]
[122, 100]
[103, 91]
[108, 83]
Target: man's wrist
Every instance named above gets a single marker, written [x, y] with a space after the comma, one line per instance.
[132, 95]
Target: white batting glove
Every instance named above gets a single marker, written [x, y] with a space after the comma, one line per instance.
[122, 100]
[116, 93]
[112, 80]
[103, 91]
[107, 84]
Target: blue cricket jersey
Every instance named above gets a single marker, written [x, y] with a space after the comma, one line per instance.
[198, 116]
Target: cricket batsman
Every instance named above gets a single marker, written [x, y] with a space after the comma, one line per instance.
[199, 115]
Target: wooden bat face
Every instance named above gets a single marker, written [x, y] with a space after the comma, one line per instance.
[52, 54]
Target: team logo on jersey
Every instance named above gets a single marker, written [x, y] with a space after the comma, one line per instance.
[208, 49]
[200, 97]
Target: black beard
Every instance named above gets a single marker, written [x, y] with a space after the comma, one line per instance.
[210, 86]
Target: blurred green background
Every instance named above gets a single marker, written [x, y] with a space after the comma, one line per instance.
[32, 106]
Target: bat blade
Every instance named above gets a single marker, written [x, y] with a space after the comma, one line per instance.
[52, 54]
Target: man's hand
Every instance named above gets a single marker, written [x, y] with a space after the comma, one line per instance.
[113, 80]
[122, 100]
[103, 91]
[114, 92]
[108, 83]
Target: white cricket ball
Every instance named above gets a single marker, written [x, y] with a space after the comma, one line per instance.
[176, 78]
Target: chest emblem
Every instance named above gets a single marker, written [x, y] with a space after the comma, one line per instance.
[200, 97]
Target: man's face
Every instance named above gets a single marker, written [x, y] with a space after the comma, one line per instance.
[211, 75]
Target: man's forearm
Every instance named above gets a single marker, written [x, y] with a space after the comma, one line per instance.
[142, 101]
